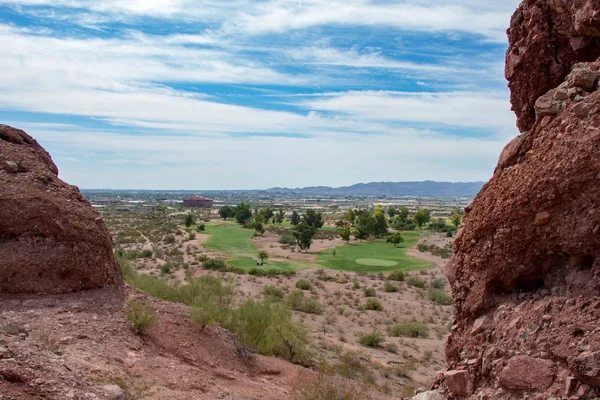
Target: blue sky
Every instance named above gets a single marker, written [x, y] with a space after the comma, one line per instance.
[239, 94]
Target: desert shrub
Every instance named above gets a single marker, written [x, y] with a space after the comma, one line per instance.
[372, 339]
[296, 301]
[404, 370]
[169, 239]
[141, 315]
[351, 367]
[416, 282]
[269, 328]
[396, 276]
[192, 236]
[391, 347]
[389, 287]
[303, 284]
[288, 239]
[214, 264]
[369, 291]
[409, 329]
[273, 291]
[146, 253]
[200, 227]
[356, 284]
[212, 300]
[373, 304]
[202, 258]
[437, 284]
[329, 386]
[166, 268]
[440, 297]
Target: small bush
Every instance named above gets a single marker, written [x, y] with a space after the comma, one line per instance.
[141, 315]
[396, 276]
[373, 339]
[169, 239]
[330, 386]
[440, 297]
[391, 347]
[409, 329]
[389, 287]
[437, 284]
[369, 292]
[166, 268]
[146, 254]
[288, 239]
[296, 301]
[303, 284]
[273, 291]
[212, 300]
[200, 227]
[416, 282]
[214, 264]
[192, 236]
[356, 284]
[373, 304]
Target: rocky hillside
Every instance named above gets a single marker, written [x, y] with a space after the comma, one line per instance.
[525, 275]
[51, 240]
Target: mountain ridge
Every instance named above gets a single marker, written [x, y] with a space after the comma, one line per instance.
[415, 188]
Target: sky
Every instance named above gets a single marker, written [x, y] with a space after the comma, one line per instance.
[238, 94]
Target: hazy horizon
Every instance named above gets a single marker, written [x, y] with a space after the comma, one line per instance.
[246, 95]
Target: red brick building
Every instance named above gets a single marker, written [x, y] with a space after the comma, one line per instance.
[197, 201]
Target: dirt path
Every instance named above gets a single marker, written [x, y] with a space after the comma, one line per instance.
[437, 239]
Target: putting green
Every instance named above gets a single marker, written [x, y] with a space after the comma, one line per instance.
[375, 262]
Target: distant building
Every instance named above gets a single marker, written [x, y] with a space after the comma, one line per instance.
[197, 201]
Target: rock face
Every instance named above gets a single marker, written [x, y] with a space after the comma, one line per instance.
[546, 39]
[51, 240]
[526, 271]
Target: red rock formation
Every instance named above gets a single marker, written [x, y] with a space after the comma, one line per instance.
[526, 270]
[546, 39]
[51, 240]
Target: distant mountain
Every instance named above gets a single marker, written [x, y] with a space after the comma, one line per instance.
[426, 188]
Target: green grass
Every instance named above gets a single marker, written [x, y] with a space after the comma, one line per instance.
[394, 258]
[238, 244]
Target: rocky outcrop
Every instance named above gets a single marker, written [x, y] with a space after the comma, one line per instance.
[546, 39]
[51, 240]
[526, 271]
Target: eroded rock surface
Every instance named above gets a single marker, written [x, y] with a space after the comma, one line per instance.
[525, 274]
[51, 240]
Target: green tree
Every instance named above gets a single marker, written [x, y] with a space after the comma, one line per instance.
[263, 255]
[243, 213]
[379, 222]
[422, 217]
[295, 218]
[456, 219]
[364, 224]
[350, 216]
[392, 212]
[257, 225]
[395, 239]
[403, 214]
[280, 216]
[189, 220]
[265, 214]
[304, 234]
[313, 218]
[345, 233]
[226, 212]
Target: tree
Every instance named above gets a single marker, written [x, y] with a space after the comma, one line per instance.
[379, 222]
[392, 212]
[295, 218]
[395, 239]
[226, 212]
[422, 217]
[350, 216]
[243, 214]
[280, 216]
[265, 214]
[313, 218]
[456, 219]
[189, 220]
[345, 233]
[263, 255]
[257, 225]
[364, 225]
[304, 233]
[403, 214]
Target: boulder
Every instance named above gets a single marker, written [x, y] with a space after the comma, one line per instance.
[528, 373]
[430, 395]
[459, 382]
[51, 239]
[586, 367]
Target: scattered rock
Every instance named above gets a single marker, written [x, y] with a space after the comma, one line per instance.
[583, 78]
[114, 391]
[528, 373]
[459, 382]
[543, 218]
[430, 395]
[586, 367]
